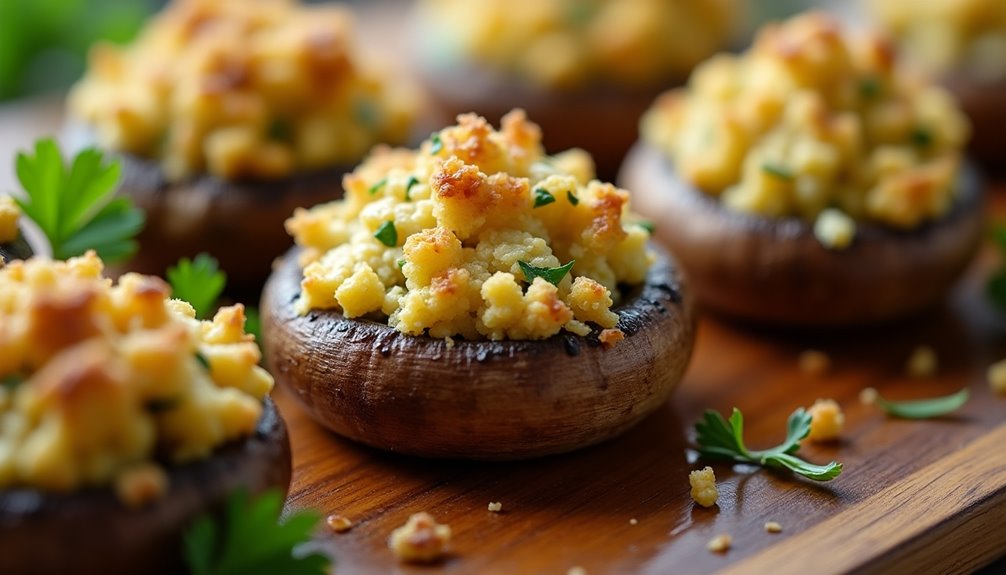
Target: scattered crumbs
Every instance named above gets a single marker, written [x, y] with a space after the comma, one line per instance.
[576, 571]
[420, 540]
[720, 543]
[338, 523]
[703, 482]
[815, 363]
[610, 337]
[633, 521]
[141, 485]
[868, 396]
[997, 377]
[826, 420]
[773, 527]
[495, 506]
[449, 342]
[834, 229]
[922, 363]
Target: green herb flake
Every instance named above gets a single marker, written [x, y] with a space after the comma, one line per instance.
[156, 406]
[995, 289]
[377, 186]
[253, 322]
[869, 87]
[12, 380]
[203, 361]
[438, 144]
[401, 262]
[542, 197]
[921, 137]
[572, 199]
[75, 206]
[280, 130]
[720, 439]
[248, 539]
[387, 234]
[408, 187]
[922, 408]
[551, 275]
[648, 226]
[781, 172]
[198, 281]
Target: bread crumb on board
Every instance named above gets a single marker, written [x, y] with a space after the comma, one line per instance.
[633, 521]
[577, 570]
[339, 523]
[868, 396]
[997, 377]
[495, 506]
[922, 363]
[720, 543]
[815, 363]
[141, 485]
[826, 420]
[703, 482]
[773, 527]
[420, 540]
[609, 337]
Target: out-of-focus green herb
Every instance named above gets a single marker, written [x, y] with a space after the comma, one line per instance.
[781, 172]
[648, 226]
[995, 288]
[377, 186]
[922, 137]
[572, 198]
[198, 281]
[438, 144]
[918, 408]
[408, 187]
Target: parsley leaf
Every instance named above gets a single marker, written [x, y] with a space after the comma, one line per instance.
[921, 137]
[551, 275]
[199, 282]
[408, 187]
[648, 226]
[781, 172]
[869, 87]
[74, 206]
[387, 234]
[249, 541]
[718, 438]
[253, 323]
[921, 408]
[542, 197]
[377, 186]
[572, 199]
[438, 144]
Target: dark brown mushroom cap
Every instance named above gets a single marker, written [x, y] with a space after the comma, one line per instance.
[478, 399]
[984, 102]
[774, 270]
[19, 249]
[91, 533]
[240, 223]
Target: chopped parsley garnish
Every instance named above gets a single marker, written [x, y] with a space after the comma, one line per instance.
[280, 130]
[377, 186]
[198, 281]
[366, 113]
[572, 199]
[11, 380]
[387, 234]
[253, 322]
[781, 172]
[922, 137]
[551, 275]
[542, 197]
[438, 144]
[247, 540]
[75, 205]
[920, 408]
[408, 187]
[720, 439]
[869, 87]
[401, 262]
[203, 361]
[648, 226]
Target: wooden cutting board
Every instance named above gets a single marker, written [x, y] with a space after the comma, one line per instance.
[915, 496]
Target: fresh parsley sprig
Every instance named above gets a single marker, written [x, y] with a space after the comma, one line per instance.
[918, 408]
[551, 275]
[718, 438]
[198, 281]
[74, 205]
[248, 540]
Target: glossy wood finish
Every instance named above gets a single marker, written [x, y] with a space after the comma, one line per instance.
[916, 496]
[775, 271]
[91, 533]
[479, 399]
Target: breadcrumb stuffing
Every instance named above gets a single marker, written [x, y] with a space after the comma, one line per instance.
[773, 527]
[997, 377]
[720, 543]
[826, 421]
[495, 506]
[141, 485]
[813, 362]
[339, 523]
[9, 214]
[703, 482]
[420, 540]
[868, 396]
[834, 229]
[610, 337]
[922, 363]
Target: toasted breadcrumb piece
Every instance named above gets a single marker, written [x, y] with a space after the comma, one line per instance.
[141, 485]
[773, 527]
[609, 337]
[495, 506]
[577, 570]
[997, 377]
[826, 421]
[703, 482]
[922, 363]
[339, 523]
[633, 521]
[420, 540]
[720, 543]
[868, 396]
[815, 363]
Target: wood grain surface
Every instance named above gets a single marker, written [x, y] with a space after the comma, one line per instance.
[916, 496]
